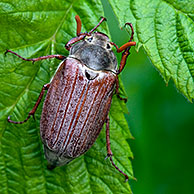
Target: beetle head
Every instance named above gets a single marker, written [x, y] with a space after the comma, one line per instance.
[95, 51]
[99, 38]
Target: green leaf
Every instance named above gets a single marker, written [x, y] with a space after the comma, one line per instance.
[39, 28]
[165, 28]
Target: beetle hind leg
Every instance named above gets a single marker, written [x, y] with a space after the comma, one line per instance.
[109, 152]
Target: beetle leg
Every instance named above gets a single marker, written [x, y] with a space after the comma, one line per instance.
[60, 57]
[117, 90]
[125, 48]
[132, 31]
[125, 54]
[109, 152]
[31, 113]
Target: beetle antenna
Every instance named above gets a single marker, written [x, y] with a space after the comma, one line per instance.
[102, 19]
[126, 46]
[79, 25]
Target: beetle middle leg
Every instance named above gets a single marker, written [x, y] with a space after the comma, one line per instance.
[117, 90]
[60, 57]
[31, 113]
[109, 152]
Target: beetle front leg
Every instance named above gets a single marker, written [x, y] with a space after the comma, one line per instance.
[109, 152]
[31, 113]
[60, 57]
[125, 48]
[125, 54]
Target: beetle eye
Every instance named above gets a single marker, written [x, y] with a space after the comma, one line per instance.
[108, 46]
[90, 39]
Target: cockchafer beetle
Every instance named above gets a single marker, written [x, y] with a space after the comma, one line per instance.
[79, 96]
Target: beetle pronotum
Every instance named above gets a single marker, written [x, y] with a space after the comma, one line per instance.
[79, 96]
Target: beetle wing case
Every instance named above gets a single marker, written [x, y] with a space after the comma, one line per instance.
[74, 111]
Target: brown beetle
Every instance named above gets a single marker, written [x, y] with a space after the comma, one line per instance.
[79, 96]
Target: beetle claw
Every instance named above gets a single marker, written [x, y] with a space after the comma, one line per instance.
[5, 53]
[50, 166]
[33, 117]
[108, 156]
[121, 98]
[126, 178]
[8, 118]
[101, 17]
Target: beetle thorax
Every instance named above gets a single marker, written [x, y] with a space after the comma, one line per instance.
[95, 52]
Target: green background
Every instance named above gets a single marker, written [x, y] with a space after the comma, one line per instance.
[160, 118]
[162, 123]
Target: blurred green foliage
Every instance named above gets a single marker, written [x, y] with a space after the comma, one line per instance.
[162, 122]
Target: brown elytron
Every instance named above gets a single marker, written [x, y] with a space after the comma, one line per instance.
[71, 126]
[79, 96]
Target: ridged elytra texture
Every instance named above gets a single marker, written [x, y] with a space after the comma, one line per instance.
[74, 110]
